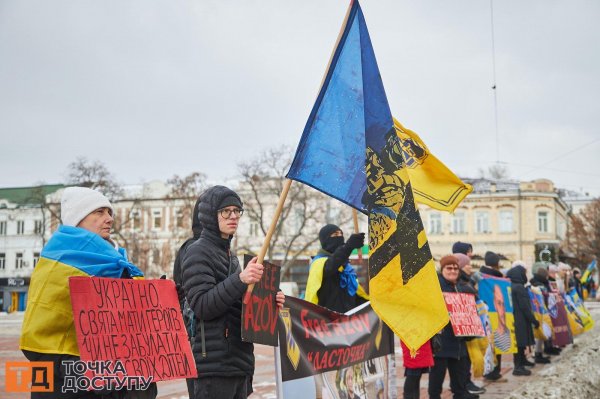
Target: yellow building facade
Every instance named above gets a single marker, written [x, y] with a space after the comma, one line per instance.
[514, 219]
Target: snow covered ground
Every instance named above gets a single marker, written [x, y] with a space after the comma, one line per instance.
[575, 374]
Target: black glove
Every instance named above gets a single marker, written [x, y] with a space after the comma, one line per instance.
[536, 324]
[356, 240]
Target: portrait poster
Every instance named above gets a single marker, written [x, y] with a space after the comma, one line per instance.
[581, 310]
[560, 321]
[496, 293]
[489, 356]
[538, 306]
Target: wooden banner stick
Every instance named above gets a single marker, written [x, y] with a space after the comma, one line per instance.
[265, 247]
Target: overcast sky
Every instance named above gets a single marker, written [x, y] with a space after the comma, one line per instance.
[156, 88]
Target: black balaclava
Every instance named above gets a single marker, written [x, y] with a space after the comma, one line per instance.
[330, 244]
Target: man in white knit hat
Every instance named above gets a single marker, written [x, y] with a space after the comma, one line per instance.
[80, 247]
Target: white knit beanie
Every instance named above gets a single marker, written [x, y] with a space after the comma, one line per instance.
[78, 202]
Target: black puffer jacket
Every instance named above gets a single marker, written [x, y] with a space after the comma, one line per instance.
[331, 295]
[214, 291]
[490, 271]
[524, 318]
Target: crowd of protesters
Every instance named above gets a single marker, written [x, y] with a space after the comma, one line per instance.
[211, 284]
[448, 352]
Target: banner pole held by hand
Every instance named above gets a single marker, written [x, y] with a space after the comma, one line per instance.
[265, 246]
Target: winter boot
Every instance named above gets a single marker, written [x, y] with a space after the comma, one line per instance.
[521, 371]
[540, 359]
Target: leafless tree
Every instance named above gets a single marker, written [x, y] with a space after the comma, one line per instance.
[304, 212]
[584, 231]
[186, 189]
[49, 211]
[495, 172]
[94, 174]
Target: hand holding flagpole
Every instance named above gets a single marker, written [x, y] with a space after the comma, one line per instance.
[263, 251]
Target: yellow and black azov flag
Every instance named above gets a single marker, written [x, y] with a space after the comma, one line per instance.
[403, 284]
[349, 150]
[433, 184]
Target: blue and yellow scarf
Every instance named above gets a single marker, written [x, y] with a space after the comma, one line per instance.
[48, 326]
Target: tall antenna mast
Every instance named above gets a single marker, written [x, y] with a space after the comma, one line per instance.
[494, 83]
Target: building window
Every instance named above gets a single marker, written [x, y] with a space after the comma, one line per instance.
[3, 228]
[19, 260]
[37, 227]
[155, 256]
[561, 229]
[36, 257]
[458, 223]
[136, 220]
[20, 227]
[179, 218]
[156, 219]
[2, 261]
[505, 222]
[253, 229]
[435, 223]
[482, 222]
[542, 222]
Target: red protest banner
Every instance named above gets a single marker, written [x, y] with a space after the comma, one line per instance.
[260, 314]
[135, 322]
[463, 315]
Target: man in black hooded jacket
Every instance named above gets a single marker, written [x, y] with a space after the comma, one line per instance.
[332, 281]
[524, 318]
[214, 287]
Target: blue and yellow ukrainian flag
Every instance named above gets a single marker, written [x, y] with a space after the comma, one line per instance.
[48, 326]
[350, 150]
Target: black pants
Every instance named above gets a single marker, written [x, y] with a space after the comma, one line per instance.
[519, 357]
[223, 387]
[498, 366]
[459, 375]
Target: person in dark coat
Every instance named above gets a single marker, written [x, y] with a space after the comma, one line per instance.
[492, 265]
[453, 354]
[214, 286]
[462, 248]
[468, 285]
[524, 318]
[577, 282]
[540, 280]
[332, 281]
[465, 272]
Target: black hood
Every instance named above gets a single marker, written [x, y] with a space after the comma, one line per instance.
[517, 275]
[208, 205]
[330, 244]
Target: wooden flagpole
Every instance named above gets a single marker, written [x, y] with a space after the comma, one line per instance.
[355, 219]
[265, 246]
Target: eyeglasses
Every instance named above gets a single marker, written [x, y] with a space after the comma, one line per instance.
[451, 268]
[226, 213]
